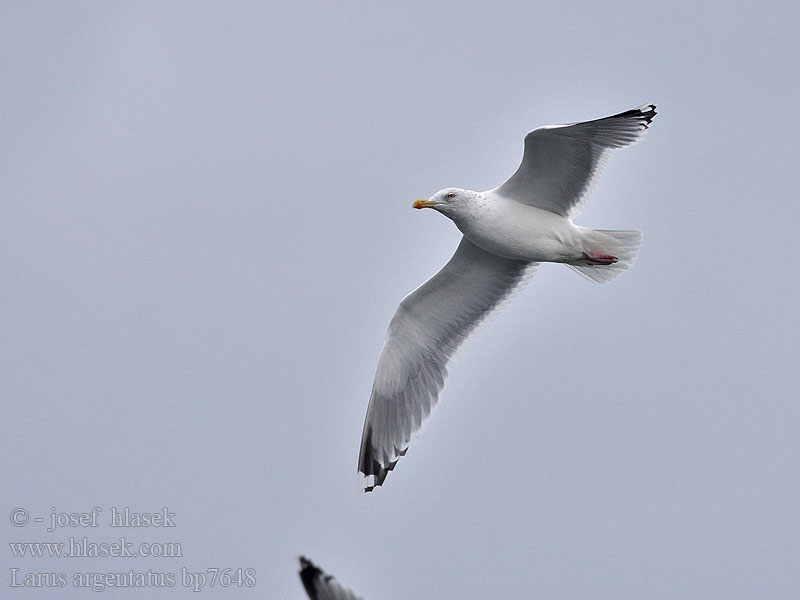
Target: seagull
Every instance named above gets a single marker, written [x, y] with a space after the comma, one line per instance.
[507, 232]
[321, 586]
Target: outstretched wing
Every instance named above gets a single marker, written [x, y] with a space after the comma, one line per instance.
[562, 163]
[426, 329]
[321, 586]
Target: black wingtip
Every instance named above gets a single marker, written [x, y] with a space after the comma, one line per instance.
[371, 473]
[309, 575]
[644, 115]
[648, 112]
[320, 585]
[376, 476]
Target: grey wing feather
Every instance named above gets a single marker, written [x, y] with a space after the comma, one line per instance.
[321, 586]
[427, 328]
[561, 164]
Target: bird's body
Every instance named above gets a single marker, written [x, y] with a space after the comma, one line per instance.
[518, 231]
[507, 231]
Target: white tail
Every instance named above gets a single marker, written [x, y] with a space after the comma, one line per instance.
[622, 244]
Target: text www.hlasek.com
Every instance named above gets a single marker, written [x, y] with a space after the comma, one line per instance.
[83, 548]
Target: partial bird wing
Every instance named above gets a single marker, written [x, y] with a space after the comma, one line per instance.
[561, 163]
[426, 329]
[321, 586]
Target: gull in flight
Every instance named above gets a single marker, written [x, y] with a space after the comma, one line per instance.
[507, 232]
[321, 586]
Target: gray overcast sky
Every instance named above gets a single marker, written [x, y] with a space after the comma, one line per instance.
[205, 230]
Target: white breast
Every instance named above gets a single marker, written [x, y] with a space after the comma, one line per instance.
[514, 230]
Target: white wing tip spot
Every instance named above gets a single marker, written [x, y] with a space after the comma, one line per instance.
[366, 483]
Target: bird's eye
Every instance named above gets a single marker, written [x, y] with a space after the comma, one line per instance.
[451, 195]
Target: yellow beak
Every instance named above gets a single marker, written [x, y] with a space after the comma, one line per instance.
[423, 203]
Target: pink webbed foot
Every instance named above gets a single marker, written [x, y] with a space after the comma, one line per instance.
[590, 257]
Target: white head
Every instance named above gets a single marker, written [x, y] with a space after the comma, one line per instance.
[451, 202]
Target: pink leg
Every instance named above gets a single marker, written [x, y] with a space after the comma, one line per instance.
[590, 257]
